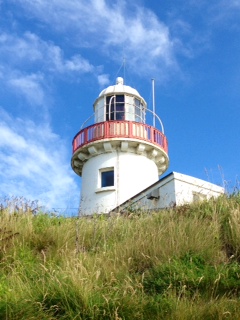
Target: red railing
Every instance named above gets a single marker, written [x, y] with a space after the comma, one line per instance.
[120, 129]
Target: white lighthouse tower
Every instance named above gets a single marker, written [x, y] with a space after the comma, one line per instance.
[120, 154]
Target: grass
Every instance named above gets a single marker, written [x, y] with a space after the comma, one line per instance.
[181, 263]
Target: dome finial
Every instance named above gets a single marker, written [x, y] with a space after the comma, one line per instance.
[119, 80]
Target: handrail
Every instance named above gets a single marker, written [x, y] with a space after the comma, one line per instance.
[155, 115]
[146, 110]
[82, 126]
[119, 129]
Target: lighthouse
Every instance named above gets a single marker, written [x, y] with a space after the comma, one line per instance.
[120, 154]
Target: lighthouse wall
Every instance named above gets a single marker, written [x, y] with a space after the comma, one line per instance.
[132, 173]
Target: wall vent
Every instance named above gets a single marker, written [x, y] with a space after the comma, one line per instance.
[153, 195]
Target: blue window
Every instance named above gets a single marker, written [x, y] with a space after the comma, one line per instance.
[107, 178]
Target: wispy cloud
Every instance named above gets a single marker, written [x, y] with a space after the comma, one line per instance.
[232, 3]
[227, 10]
[34, 164]
[28, 50]
[30, 86]
[117, 30]
[27, 64]
[218, 14]
[103, 80]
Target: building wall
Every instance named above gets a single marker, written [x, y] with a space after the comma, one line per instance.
[132, 173]
[173, 190]
[158, 196]
[189, 189]
[136, 172]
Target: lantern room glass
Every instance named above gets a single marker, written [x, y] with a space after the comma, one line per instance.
[115, 107]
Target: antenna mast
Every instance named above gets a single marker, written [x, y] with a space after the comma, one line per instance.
[124, 66]
[153, 98]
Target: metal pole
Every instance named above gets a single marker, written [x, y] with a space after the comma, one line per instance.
[153, 98]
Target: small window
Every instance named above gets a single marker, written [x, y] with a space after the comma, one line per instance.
[107, 178]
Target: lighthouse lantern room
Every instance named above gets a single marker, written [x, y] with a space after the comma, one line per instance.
[120, 154]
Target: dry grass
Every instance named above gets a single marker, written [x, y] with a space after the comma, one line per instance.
[181, 263]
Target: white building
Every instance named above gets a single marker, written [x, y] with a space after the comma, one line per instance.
[175, 189]
[120, 158]
[120, 154]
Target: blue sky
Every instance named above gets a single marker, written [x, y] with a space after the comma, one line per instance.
[56, 56]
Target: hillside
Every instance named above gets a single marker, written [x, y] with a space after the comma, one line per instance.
[182, 263]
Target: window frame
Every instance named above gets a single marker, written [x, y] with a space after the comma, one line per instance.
[115, 107]
[107, 178]
[102, 188]
[139, 110]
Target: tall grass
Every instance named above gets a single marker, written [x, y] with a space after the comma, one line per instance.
[181, 263]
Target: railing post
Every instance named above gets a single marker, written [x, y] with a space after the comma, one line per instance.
[85, 135]
[106, 129]
[152, 135]
[130, 124]
[73, 147]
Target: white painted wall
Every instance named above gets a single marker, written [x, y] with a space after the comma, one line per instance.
[133, 173]
[129, 108]
[136, 172]
[186, 187]
[99, 111]
[174, 189]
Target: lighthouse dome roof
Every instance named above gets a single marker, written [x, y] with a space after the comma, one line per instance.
[119, 87]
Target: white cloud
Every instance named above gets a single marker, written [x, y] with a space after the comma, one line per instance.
[116, 30]
[27, 64]
[16, 48]
[34, 164]
[29, 49]
[103, 80]
[223, 14]
[77, 63]
[30, 86]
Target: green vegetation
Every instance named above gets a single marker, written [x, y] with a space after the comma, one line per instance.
[182, 263]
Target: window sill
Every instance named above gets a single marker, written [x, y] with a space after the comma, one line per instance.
[104, 189]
